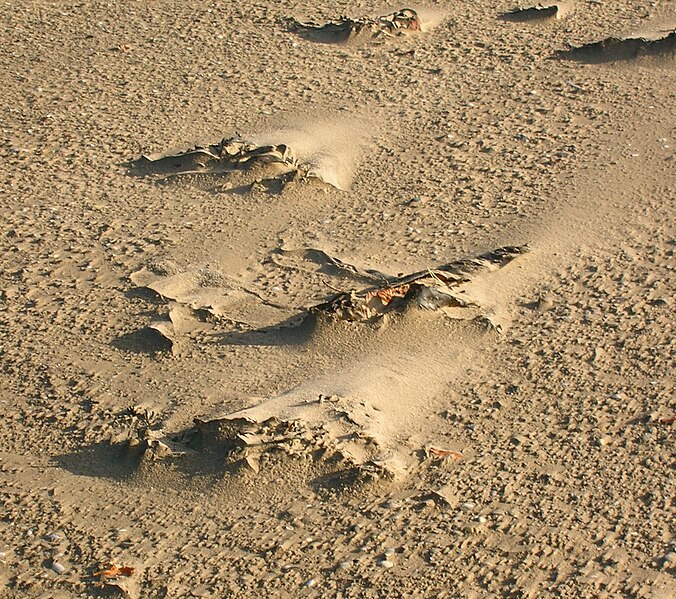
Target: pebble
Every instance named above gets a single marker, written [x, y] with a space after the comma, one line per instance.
[310, 582]
[58, 568]
[389, 551]
[669, 560]
[616, 396]
[386, 563]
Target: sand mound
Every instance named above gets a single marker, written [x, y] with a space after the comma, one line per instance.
[345, 29]
[314, 152]
[367, 414]
[327, 149]
[543, 11]
[614, 49]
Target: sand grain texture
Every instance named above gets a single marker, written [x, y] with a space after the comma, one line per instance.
[130, 306]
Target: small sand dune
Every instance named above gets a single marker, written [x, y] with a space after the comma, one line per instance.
[321, 151]
[543, 11]
[390, 342]
[614, 49]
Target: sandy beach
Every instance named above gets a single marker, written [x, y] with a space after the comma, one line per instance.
[337, 300]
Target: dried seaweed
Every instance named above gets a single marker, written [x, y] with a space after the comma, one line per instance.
[272, 164]
[345, 28]
[430, 289]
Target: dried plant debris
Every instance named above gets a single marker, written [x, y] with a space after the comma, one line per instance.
[246, 443]
[242, 443]
[435, 452]
[341, 418]
[346, 29]
[272, 166]
[629, 48]
[114, 571]
[198, 300]
[431, 289]
[543, 11]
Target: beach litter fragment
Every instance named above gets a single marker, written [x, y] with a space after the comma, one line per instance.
[345, 28]
[312, 421]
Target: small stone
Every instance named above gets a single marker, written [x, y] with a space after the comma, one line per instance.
[344, 565]
[604, 441]
[310, 583]
[58, 568]
[389, 551]
[616, 396]
[482, 520]
[386, 563]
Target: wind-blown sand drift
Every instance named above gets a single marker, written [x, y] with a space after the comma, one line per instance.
[364, 415]
[273, 165]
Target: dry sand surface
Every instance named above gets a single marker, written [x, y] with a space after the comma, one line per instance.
[171, 407]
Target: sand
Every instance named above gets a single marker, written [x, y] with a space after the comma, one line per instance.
[153, 323]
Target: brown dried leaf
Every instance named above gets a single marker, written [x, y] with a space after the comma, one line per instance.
[444, 453]
[113, 571]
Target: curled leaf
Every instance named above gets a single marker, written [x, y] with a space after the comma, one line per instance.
[444, 453]
[113, 571]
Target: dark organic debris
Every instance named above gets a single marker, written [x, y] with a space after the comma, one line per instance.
[539, 12]
[431, 289]
[272, 164]
[435, 452]
[615, 49]
[196, 302]
[242, 443]
[306, 422]
[246, 441]
[344, 28]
